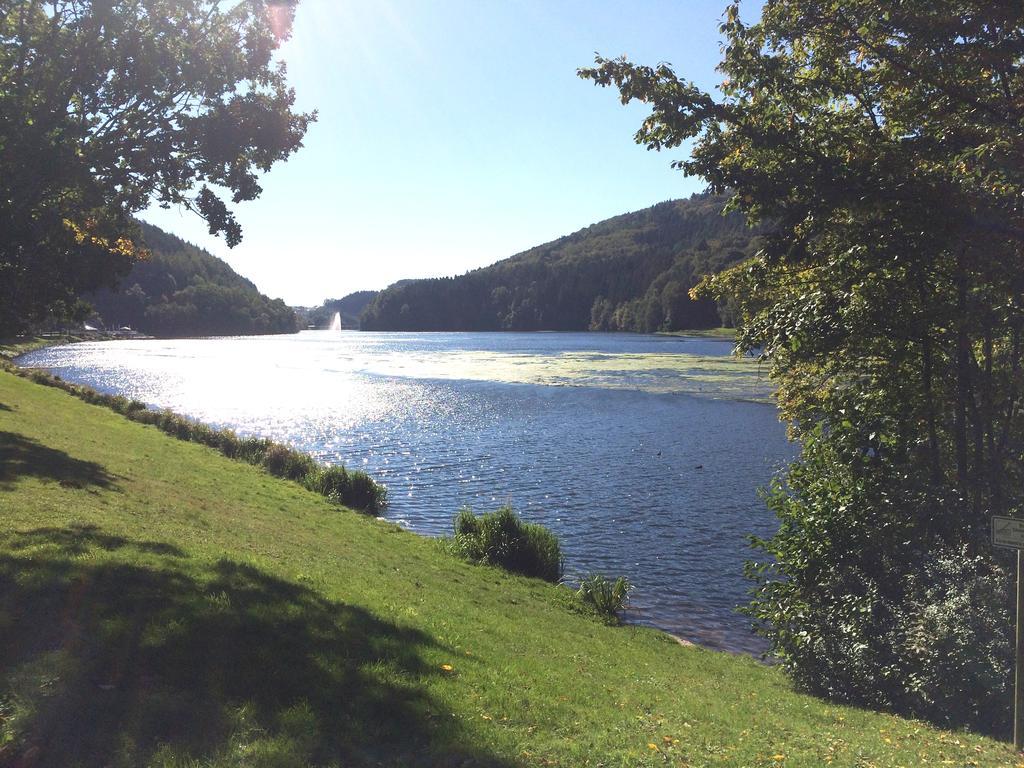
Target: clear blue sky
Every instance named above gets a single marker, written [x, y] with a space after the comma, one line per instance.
[454, 133]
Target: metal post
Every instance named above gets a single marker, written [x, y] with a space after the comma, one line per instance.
[1018, 686]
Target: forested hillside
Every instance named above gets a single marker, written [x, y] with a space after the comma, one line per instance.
[630, 273]
[182, 290]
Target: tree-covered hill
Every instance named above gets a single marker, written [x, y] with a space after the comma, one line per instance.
[182, 290]
[630, 273]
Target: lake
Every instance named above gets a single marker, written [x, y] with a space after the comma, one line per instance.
[643, 453]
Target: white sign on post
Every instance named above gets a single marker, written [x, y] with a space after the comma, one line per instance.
[1008, 532]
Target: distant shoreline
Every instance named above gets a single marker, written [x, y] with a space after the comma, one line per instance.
[721, 334]
[12, 348]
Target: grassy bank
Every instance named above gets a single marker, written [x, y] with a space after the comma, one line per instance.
[11, 348]
[160, 603]
[341, 486]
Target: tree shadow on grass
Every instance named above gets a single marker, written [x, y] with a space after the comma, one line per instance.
[78, 539]
[21, 456]
[111, 653]
[5, 407]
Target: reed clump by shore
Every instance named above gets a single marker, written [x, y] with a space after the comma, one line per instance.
[502, 539]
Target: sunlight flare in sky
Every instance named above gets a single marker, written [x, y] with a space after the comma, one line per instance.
[452, 135]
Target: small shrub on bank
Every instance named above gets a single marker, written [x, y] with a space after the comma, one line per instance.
[282, 461]
[175, 425]
[275, 460]
[954, 635]
[298, 465]
[227, 443]
[253, 449]
[355, 489]
[605, 597]
[166, 421]
[500, 538]
[119, 404]
[145, 417]
[352, 489]
[96, 398]
[365, 493]
[42, 377]
[203, 434]
[332, 482]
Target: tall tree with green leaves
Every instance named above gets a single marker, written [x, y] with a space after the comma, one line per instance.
[108, 106]
[885, 143]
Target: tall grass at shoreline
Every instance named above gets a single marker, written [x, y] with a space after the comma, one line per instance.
[607, 598]
[353, 488]
[500, 538]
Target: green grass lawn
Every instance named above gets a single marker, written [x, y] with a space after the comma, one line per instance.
[163, 605]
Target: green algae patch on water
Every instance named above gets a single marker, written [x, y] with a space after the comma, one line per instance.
[725, 377]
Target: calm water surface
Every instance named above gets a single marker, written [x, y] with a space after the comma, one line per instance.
[643, 453]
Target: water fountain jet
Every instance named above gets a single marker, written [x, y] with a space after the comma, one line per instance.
[336, 322]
